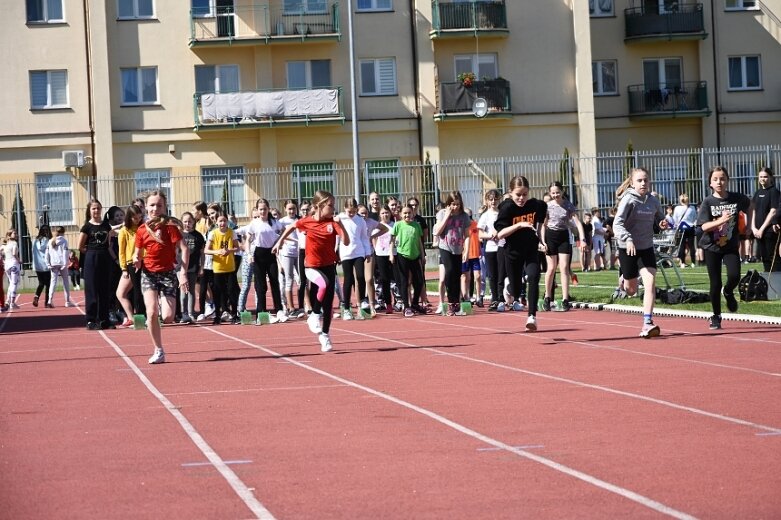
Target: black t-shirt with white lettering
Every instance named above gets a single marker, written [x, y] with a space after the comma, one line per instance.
[728, 239]
[97, 236]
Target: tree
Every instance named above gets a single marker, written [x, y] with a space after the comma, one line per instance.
[20, 220]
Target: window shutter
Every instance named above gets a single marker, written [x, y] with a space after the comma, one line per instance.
[387, 75]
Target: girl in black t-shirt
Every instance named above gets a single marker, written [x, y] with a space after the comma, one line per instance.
[519, 222]
[718, 222]
[94, 243]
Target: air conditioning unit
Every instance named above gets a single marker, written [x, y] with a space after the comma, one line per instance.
[73, 158]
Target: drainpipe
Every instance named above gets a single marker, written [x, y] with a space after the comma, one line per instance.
[413, 25]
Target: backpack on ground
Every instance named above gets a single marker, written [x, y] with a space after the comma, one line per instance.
[752, 287]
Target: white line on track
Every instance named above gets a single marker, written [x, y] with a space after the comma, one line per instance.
[51, 349]
[585, 477]
[581, 384]
[309, 387]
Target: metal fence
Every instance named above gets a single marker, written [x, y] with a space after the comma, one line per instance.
[61, 199]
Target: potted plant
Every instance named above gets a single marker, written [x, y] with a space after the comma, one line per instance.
[467, 79]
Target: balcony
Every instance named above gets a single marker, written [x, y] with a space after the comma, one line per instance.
[652, 23]
[688, 99]
[463, 19]
[268, 108]
[456, 100]
[261, 24]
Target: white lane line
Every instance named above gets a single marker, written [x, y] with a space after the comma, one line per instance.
[233, 480]
[581, 384]
[542, 335]
[229, 462]
[585, 477]
[50, 349]
[270, 389]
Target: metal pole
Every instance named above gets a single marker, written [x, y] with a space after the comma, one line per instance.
[353, 104]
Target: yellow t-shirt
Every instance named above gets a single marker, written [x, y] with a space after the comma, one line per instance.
[127, 246]
[220, 240]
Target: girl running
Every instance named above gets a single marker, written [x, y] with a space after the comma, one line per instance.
[98, 264]
[451, 228]
[155, 253]
[57, 259]
[520, 221]
[12, 267]
[633, 227]
[130, 280]
[718, 221]
[40, 244]
[556, 236]
[321, 230]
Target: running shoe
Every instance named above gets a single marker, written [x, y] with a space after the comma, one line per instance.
[732, 303]
[517, 306]
[365, 305]
[650, 330]
[546, 303]
[49, 305]
[325, 342]
[566, 305]
[408, 313]
[531, 324]
[158, 357]
[71, 304]
[347, 315]
[493, 307]
[313, 322]
[126, 324]
[714, 322]
[501, 307]
[35, 301]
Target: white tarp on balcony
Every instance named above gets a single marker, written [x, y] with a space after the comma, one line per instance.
[259, 105]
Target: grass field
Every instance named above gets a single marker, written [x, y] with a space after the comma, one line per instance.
[597, 287]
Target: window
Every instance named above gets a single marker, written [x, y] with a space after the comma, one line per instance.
[662, 73]
[308, 74]
[216, 78]
[603, 76]
[378, 77]
[304, 6]
[744, 73]
[374, 5]
[49, 89]
[225, 185]
[131, 9]
[44, 11]
[202, 8]
[741, 5]
[149, 180]
[139, 86]
[383, 176]
[308, 178]
[600, 7]
[54, 196]
[483, 65]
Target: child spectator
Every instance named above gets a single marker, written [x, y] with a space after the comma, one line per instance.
[40, 244]
[408, 237]
[196, 244]
[222, 244]
[57, 259]
[451, 227]
[74, 271]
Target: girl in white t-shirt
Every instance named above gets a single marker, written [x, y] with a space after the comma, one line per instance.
[383, 253]
[12, 267]
[489, 235]
[288, 262]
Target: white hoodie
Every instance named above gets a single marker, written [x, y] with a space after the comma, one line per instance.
[57, 253]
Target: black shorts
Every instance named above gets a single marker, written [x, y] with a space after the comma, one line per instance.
[557, 242]
[631, 265]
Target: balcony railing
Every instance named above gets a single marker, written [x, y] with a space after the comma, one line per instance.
[268, 108]
[456, 99]
[262, 24]
[478, 16]
[684, 21]
[682, 99]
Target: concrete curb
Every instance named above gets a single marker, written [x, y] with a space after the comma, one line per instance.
[750, 318]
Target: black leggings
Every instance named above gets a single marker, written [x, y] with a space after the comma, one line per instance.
[452, 263]
[529, 265]
[224, 290]
[44, 280]
[301, 277]
[207, 281]
[325, 307]
[492, 266]
[353, 270]
[266, 265]
[409, 269]
[384, 277]
[713, 264]
[768, 250]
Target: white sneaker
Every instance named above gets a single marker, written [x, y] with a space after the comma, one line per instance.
[282, 316]
[158, 357]
[225, 316]
[209, 310]
[518, 306]
[313, 321]
[77, 288]
[70, 304]
[325, 342]
[365, 305]
[347, 315]
[531, 324]
[200, 317]
[15, 305]
[502, 307]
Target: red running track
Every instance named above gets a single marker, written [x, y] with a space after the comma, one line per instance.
[425, 417]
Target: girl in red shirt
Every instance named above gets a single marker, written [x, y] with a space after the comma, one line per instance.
[158, 239]
[321, 229]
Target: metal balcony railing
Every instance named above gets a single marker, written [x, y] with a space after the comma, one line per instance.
[476, 15]
[268, 107]
[456, 98]
[690, 97]
[253, 23]
[678, 22]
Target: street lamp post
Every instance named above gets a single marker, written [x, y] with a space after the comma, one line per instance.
[353, 103]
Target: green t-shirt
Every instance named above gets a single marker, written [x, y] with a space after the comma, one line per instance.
[408, 238]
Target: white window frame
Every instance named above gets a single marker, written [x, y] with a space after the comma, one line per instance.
[596, 11]
[219, 174]
[663, 81]
[743, 69]
[49, 105]
[490, 59]
[139, 87]
[218, 69]
[374, 6]
[42, 188]
[382, 88]
[162, 181]
[135, 15]
[740, 5]
[307, 73]
[596, 69]
[45, 10]
[307, 7]
[212, 13]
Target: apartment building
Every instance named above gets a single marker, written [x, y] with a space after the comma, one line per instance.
[193, 95]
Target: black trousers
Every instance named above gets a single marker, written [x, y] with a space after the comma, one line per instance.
[713, 261]
[266, 265]
[44, 280]
[410, 270]
[353, 270]
[97, 281]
